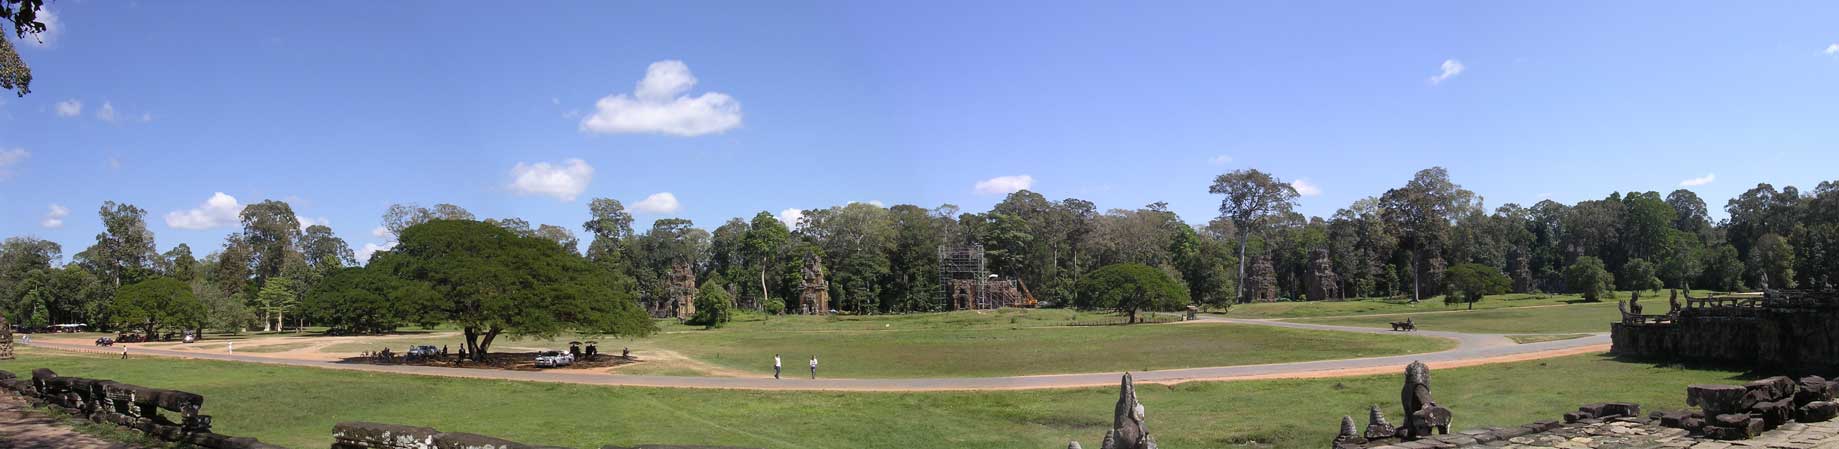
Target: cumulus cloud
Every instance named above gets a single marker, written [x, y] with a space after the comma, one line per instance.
[1699, 181]
[107, 113]
[307, 222]
[218, 211]
[1450, 68]
[372, 248]
[1832, 50]
[11, 158]
[1304, 188]
[658, 203]
[1220, 160]
[660, 105]
[70, 108]
[790, 216]
[1004, 184]
[564, 182]
[55, 217]
[380, 232]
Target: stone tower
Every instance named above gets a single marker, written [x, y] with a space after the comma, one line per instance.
[814, 294]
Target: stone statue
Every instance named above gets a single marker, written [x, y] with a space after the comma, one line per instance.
[1376, 425]
[1634, 302]
[1127, 428]
[1423, 416]
[1673, 302]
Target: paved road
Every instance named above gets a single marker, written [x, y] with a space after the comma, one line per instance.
[1471, 349]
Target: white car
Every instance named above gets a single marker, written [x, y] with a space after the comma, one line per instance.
[551, 359]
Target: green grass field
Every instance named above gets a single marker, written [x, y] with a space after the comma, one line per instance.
[1578, 318]
[296, 407]
[1371, 306]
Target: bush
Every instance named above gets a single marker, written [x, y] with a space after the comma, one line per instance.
[1638, 274]
[714, 307]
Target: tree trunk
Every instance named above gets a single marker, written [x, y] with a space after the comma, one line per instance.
[472, 340]
[486, 343]
[1414, 273]
[1239, 286]
[280, 319]
[760, 304]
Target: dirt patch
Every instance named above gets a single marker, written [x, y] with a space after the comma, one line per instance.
[513, 361]
[21, 427]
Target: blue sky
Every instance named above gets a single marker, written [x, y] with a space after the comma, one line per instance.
[343, 111]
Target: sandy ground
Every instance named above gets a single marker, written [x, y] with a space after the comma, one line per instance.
[312, 350]
[21, 427]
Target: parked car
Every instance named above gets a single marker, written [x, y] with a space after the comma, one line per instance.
[551, 359]
[416, 352]
[105, 341]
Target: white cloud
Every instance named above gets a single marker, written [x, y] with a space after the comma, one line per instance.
[790, 216]
[1004, 184]
[307, 222]
[107, 113]
[221, 210]
[372, 248]
[11, 158]
[380, 232]
[658, 203]
[55, 217]
[1832, 50]
[564, 182]
[659, 105]
[53, 28]
[1450, 68]
[70, 108]
[1699, 181]
[1304, 188]
[146, 117]
[1220, 160]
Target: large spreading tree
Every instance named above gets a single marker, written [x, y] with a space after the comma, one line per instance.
[493, 282]
[1129, 288]
[1252, 199]
[157, 303]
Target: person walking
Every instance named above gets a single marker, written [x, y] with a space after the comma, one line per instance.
[124, 352]
[813, 366]
[230, 347]
[775, 366]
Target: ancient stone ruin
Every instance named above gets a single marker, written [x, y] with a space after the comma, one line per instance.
[1789, 330]
[1323, 283]
[814, 293]
[1732, 412]
[1263, 280]
[682, 290]
[129, 406]
[6, 339]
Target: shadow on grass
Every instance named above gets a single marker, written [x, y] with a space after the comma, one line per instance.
[1746, 373]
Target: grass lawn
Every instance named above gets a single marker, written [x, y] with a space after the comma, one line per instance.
[1579, 318]
[1370, 306]
[1007, 342]
[296, 407]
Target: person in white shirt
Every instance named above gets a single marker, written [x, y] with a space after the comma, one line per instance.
[813, 366]
[775, 366]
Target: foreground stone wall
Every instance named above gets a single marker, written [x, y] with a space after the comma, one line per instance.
[365, 435]
[129, 406]
[1785, 330]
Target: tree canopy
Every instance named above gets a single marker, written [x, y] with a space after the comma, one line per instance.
[1588, 278]
[1130, 287]
[157, 303]
[1468, 283]
[494, 282]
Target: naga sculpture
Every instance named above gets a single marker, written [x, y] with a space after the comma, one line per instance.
[1423, 416]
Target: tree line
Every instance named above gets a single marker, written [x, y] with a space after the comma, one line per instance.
[1424, 238]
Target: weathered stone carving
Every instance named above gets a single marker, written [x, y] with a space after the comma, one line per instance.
[1349, 436]
[1127, 427]
[814, 294]
[1423, 416]
[1786, 330]
[129, 406]
[1376, 425]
